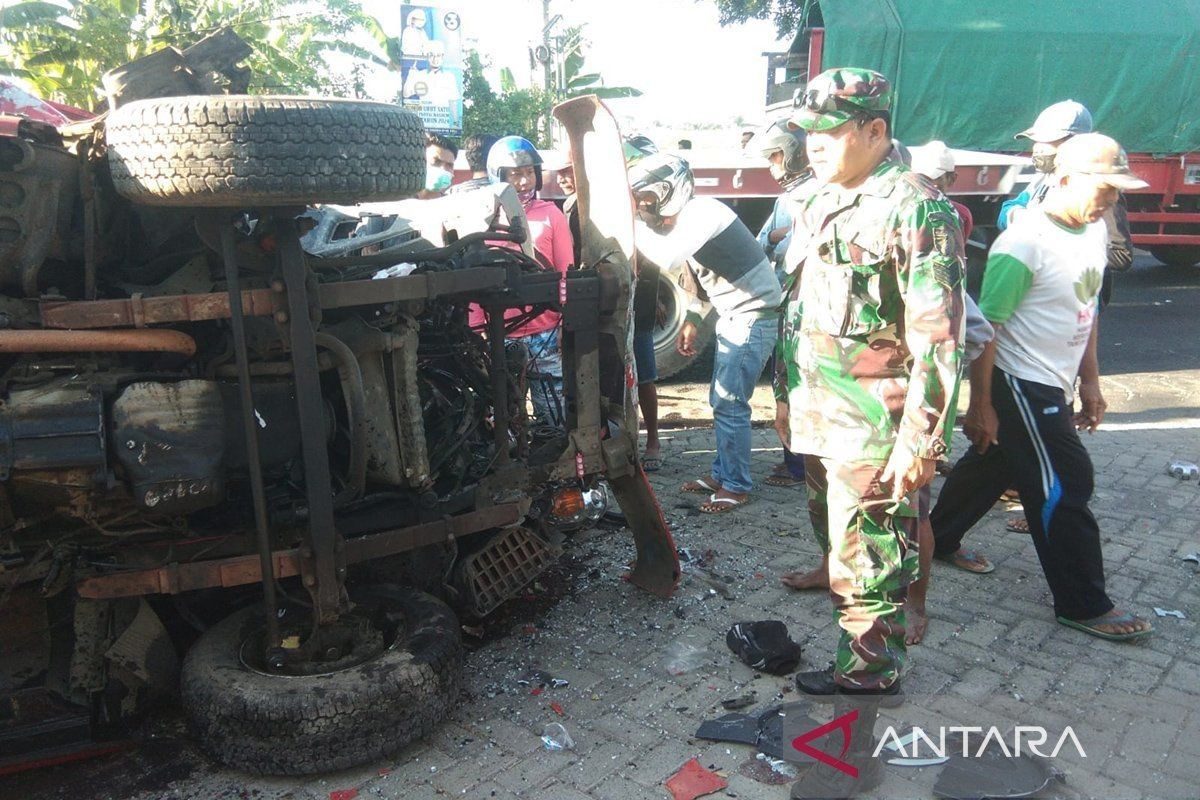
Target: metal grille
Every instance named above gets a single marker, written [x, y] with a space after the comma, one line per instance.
[502, 568]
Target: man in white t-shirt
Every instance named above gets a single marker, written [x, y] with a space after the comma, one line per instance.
[1041, 292]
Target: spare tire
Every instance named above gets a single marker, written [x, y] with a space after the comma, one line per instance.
[235, 151]
[311, 721]
[673, 302]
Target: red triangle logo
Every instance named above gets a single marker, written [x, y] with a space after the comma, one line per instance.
[842, 723]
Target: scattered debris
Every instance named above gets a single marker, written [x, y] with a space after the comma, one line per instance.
[737, 728]
[994, 773]
[764, 645]
[742, 701]
[555, 737]
[682, 658]
[558, 709]
[1162, 612]
[343, 794]
[1183, 470]
[764, 731]
[693, 780]
[1192, 558]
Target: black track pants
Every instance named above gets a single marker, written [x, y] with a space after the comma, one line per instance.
[1040, 452]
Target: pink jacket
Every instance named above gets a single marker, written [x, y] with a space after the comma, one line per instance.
[553, 246]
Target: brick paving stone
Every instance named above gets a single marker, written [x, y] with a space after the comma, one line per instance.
[617, 787]
[661, 762]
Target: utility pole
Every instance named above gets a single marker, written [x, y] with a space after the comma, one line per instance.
[547, 75]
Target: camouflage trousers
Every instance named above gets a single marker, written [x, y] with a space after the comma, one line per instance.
[872, 547]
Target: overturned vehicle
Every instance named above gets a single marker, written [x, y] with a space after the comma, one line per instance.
[252, 449]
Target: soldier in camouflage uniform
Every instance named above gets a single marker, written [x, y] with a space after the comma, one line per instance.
[872, 369]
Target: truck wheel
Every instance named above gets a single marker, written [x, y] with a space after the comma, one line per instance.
[391, 689]
[237, 151]
[1179, 255]
[672, 313]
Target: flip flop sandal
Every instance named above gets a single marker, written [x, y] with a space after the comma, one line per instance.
[1088, 626]
[653, 464]
[969, 556]
[700, 486]
[784, 481]
[721, 505]
[1020, 525]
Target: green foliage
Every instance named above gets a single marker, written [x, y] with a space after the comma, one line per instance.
[577, 82]
[788, 15]
[63, 47]
[512, 111]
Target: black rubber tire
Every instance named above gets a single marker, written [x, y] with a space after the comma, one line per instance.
[1178, 255]
[275, 725]
[238, 151]
[674, 303]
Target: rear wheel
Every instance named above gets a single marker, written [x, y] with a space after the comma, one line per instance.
[387, 684]
[1177, 255]
[673, 304]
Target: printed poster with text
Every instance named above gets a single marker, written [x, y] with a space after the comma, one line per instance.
[431, 59]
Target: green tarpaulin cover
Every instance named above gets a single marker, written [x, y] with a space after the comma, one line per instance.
[974, 72]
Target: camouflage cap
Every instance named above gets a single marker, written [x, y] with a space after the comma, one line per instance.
[838, 95]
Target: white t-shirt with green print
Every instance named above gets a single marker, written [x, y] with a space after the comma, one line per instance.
[1042, 284]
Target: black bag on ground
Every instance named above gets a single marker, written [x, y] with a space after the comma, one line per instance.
[764, 645]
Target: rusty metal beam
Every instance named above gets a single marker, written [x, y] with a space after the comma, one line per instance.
[410, 287]
[243, 570]
[137, 312]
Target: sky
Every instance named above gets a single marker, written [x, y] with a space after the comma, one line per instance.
[689, 68]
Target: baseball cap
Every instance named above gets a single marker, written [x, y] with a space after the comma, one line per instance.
[1099, 156]
[932, 160]
[838, 95]
[1058, 121]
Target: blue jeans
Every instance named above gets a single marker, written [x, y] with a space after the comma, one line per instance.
[743, 346]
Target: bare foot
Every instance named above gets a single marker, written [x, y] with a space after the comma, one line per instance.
[918, 621]
[801, 581]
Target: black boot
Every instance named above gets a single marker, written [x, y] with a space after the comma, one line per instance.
[823, 781]
[820, 687]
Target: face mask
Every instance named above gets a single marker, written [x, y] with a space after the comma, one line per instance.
[779, 174]
[437, 179]
[527, 197]
[1044, 162]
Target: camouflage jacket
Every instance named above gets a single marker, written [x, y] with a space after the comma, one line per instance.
[872, 325]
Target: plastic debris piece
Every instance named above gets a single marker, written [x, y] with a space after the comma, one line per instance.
[559, 683]
[536, 691]
[1183, 470]
[383, 772]
[682, 658]
[343, 794]
[557, 709]
[1162, 612]
[737, 728]
[993, 773]
[555, 737]
[693, 780]
[742, 701]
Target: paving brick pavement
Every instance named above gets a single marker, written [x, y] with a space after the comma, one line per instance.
[994, 654]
